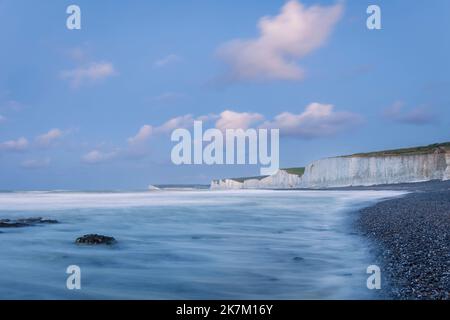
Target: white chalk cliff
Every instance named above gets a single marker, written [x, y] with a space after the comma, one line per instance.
[281, 180]
[388, 167]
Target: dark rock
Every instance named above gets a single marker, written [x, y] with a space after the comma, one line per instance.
[49, 221]
[13, 225]
[298, 259]
[94, 239]
[24, 222]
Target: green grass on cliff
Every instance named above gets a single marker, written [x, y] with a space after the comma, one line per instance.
[298, 171]
[242, 179]
[432, 148]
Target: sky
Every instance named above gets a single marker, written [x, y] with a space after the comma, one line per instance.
[93, 109]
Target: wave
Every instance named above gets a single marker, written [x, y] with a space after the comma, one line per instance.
[31, 201]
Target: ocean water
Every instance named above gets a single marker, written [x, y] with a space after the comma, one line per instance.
[195, 244]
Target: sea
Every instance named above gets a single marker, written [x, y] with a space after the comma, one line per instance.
[188, 243]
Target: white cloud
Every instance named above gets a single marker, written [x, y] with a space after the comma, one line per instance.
[20, 144]
[237, 120]
[169, 59]
[318, 120]
[138, 145]
[145, 132]
[96, 157]
[77, 53]
[47, 139]
[94, 72]
[185, 121]
[415, 116]
[35, 163]
[294, 33]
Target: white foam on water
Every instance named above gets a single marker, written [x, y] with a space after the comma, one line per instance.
[36, 200]
[244, 244]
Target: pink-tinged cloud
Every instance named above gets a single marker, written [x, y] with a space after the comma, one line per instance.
[169, 59]
[18, 145]
[97, 157]
[284, 39]
[47, 139]
[89, 74]
[185, 121]
[318, 120]
[237, 120]
[144, 133]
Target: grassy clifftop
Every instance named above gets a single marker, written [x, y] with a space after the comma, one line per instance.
[432, 148]
[242, 179]
[298, 171]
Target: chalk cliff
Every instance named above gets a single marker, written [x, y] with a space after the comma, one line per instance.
[226, 184]
[280, 180]
[366, 169]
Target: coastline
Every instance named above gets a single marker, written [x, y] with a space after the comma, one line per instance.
[407, 236]
[410, 236]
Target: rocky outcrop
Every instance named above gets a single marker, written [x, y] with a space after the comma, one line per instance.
[95, 239]
[25, 222]
[384, 167]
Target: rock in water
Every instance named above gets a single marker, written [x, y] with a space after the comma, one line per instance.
[93, 239]
[24, 222]
[36, 221]
[11, 224]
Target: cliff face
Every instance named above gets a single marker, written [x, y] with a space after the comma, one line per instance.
[226, 184]
[447, 171]
[281, 180]
[366, 171]
[388, 167]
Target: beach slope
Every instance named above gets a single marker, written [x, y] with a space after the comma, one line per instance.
[411, 236]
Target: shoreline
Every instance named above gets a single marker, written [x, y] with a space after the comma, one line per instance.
[410, 237]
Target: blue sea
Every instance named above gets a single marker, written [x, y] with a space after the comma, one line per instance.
[188, 244]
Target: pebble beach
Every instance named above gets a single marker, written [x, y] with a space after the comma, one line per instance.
[410, 236]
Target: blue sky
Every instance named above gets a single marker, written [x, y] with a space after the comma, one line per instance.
[93, 108]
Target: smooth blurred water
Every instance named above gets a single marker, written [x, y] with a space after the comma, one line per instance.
[188, 245]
